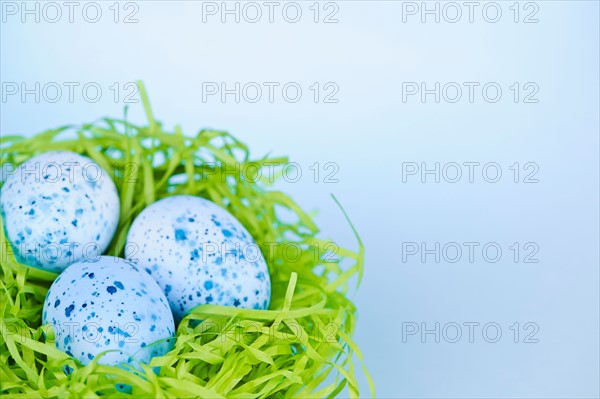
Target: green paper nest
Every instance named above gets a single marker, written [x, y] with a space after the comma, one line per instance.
[289, 350]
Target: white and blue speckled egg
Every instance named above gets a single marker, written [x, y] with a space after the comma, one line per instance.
[58, 208]
[199, 254]
[109, 305]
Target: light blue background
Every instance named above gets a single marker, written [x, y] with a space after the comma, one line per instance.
[369, 134]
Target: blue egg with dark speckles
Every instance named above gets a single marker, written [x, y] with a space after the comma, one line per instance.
[59, 207]
[199, 254]
[109, 305]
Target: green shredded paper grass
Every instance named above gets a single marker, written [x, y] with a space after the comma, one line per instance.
[300, 347]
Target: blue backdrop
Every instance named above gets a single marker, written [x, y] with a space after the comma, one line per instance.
[462, 139]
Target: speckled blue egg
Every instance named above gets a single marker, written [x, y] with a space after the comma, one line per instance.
[111, 305]
[58, 208]
[199, 254]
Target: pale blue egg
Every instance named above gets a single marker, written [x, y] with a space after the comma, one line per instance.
[199, 254]
[58, 208]
[109, 305]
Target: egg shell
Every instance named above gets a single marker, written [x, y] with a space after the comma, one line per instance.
[109, 305]
[59, 207]
[199, 254]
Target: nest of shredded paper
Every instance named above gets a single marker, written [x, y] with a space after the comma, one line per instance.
[300, 347]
